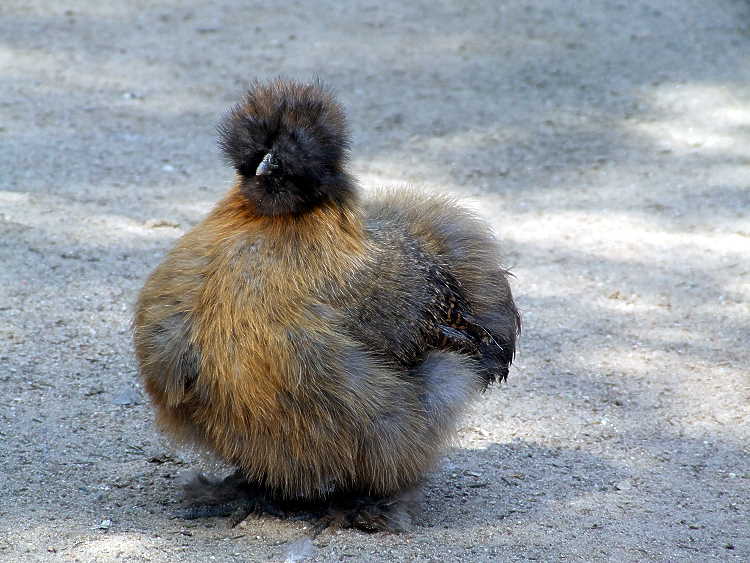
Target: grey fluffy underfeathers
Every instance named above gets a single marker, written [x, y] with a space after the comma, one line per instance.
[321, 342]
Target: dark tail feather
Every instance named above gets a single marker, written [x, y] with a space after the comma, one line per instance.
[496, 335]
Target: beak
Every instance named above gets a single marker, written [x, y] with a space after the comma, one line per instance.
[267, 165]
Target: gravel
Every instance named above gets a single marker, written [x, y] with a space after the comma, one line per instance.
[608, 143]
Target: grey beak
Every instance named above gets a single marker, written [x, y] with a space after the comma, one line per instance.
[267, 165]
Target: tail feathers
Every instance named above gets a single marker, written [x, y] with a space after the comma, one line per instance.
[496, 334]
[492, 349]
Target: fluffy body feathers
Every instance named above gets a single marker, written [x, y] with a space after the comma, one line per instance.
[322, 345]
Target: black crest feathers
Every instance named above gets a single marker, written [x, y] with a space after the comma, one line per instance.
[301, 129]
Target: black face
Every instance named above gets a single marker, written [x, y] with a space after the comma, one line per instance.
[287, 177]
[276, 193]
[287, 142]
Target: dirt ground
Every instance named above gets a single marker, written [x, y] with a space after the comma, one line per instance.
[608, 142]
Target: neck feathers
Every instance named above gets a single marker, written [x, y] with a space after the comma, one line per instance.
[329, 226]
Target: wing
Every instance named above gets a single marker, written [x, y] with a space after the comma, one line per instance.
[455, 327]
[432, 283]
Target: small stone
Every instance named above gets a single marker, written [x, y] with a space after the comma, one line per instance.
[127, 397]
[299, 550]
[158, 223]
[105, 525]
[624, 485]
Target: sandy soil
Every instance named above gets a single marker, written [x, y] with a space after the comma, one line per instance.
[608, 142]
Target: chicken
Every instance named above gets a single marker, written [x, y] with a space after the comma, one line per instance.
[322, 344]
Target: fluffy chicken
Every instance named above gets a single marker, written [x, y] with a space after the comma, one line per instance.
[322, 343]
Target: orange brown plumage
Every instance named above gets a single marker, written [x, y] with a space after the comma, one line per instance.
[323, 344]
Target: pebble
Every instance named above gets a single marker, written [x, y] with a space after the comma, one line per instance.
[127, 397]
[624, 485]
[299, 550]
[157, 223]
[104, 525]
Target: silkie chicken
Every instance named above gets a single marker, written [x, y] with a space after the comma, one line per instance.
[322, 343]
